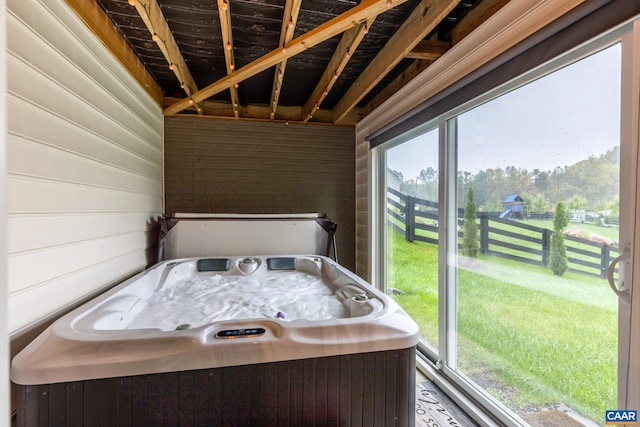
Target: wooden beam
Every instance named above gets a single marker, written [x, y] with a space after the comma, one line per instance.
[347, 45]
[474, 18]
[416, 67]
[224, 12]
[429, 50]
[470, 22]
[153, 18]
[421, 22]
[289, 20]
[337, 25]
[101, 25]
[224, 110]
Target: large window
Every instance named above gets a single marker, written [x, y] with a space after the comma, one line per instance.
[501, 220]
[412, 206]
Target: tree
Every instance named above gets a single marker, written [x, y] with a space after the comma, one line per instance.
[470, 243]
[539, 204]
[428, 179]
[541, 180]
[577, 202]
[558, 263]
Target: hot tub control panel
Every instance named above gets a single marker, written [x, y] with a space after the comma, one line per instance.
[240, 333]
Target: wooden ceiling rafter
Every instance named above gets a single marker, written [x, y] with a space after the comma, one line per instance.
[412, 71]
[219, 109]
[424, 18]
[154, 20]
[289, 21]
[224, 13]
[345, 49]
[123, 33]
[427, 51]
[331, 28]
[474, 18]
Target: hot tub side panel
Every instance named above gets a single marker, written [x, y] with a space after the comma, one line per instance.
[365, 389]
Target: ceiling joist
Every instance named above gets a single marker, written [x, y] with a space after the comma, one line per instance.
[474, 18]
[337, 25]
[267, 30]
[289, 20]
[155, 22]
[286, 114]
[227, 40]
[421, 22]
[346, 47]
[412, 71]
[426, 52]
[429, 50]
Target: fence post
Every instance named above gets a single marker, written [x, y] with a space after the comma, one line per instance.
[605, 260]
[546, 246]
[484, 232]
[410, 217]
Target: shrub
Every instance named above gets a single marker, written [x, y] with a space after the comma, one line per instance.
[470, 243]
[558, 262]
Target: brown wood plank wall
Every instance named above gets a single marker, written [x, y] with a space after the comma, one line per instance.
[363, 269]
[374, 389]
[232, 166]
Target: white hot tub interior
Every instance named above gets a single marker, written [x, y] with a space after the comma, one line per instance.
[189, 293]
[184, 314]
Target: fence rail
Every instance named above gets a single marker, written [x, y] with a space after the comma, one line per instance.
[418, 220]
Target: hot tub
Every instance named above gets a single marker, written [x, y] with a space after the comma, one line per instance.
[236, 340]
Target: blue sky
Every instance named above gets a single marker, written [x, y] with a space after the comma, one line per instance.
[557, 120]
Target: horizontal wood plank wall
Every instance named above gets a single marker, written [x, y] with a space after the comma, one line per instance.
[232, 166]
[84, 164]
[363, 246]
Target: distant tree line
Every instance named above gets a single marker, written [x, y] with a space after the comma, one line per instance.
[590, 185]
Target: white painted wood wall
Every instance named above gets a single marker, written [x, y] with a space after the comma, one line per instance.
[84, 167]
[4, 335]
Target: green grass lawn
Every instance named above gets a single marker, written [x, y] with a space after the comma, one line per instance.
[413, 269]
[529, 337]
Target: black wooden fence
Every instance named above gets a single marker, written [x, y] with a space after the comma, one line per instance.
[418, 220]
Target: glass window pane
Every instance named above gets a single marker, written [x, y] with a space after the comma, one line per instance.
[540, 166]
[412, 230]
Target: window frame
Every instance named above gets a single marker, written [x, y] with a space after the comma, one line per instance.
[438, 364]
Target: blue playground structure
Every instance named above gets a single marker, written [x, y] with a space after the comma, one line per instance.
[514, 208]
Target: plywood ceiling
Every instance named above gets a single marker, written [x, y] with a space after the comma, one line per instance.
[294, 60]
